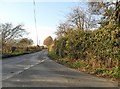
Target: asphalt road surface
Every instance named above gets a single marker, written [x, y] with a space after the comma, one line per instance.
[37, 70]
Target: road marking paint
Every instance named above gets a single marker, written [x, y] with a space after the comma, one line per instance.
[26, 68]
[18, 72]
[17, 80]
[31, 65]
[42, 61]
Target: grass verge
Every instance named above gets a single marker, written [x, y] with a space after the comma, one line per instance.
[7, 55]
[111, 73]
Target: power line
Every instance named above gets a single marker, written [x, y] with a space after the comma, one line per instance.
[35, 20]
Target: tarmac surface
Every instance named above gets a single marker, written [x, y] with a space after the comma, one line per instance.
[38, 70]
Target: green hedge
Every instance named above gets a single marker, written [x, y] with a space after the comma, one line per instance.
[20, 51]
[99, 48]
[97, 51]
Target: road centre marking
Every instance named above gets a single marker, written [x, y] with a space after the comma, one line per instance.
[26, 68]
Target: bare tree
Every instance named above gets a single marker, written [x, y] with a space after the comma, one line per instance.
[80, 19]
[77, 17]
[25, 42]
[63, 28]
[107, 10]
[48, 41]
[9, 32]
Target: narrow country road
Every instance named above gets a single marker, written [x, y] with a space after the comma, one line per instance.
[37, 70]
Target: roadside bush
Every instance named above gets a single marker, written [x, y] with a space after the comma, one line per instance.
[8, 52]
[99, 49]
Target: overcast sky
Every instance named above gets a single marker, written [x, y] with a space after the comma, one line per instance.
[48, 15]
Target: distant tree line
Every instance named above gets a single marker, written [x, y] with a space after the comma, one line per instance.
[13, 40]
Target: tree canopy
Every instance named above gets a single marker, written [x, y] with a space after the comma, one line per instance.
[48, 41]
[9, 32]
[25, 42]
[98, 48]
